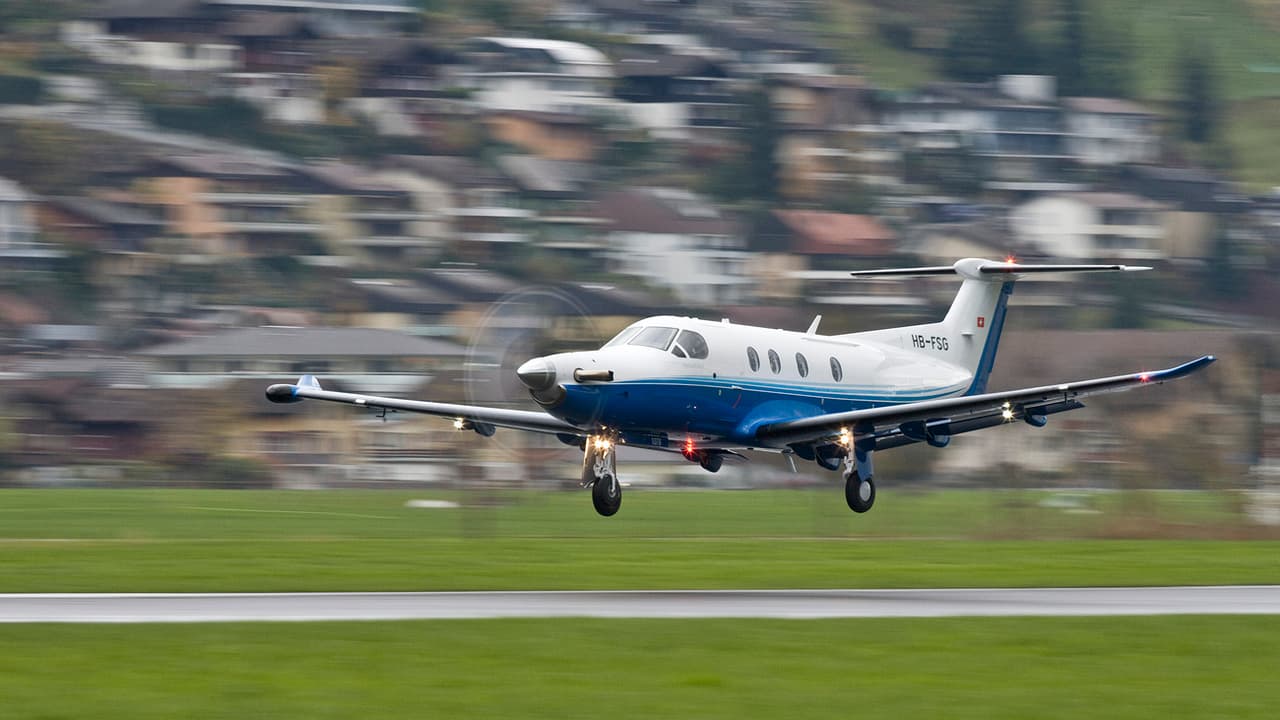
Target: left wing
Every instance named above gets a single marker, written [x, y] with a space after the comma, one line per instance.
[469, 417]
[935, 421]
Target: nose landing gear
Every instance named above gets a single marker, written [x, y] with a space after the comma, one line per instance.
[600, 473]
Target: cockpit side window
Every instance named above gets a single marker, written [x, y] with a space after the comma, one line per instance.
[623, 336]
[690, 344]
[654, 337]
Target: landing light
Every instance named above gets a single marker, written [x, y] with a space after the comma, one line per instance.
[1006, 412]
[458, 423]
[846, 437]
[603, 443]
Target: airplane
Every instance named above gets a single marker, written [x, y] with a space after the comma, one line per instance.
[711, 390]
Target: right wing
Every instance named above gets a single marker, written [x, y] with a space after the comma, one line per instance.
[895, 425]
[468, 417]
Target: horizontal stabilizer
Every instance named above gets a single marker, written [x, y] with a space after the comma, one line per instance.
[978, 268]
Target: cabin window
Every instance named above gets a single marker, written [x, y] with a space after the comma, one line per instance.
[775, 362]
[753, 359]
[654, 337]
[690, 344]
[623, 336]
[802, 365]
[836, 371]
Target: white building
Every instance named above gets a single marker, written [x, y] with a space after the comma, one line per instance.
[1107, 131]
[536, 74]
[674, 239]
[17, 223]
[1092, 225]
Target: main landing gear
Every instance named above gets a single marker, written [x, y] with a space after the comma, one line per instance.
[600, 473]
[859, 488]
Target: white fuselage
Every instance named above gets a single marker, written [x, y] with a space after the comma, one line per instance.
[675, 378]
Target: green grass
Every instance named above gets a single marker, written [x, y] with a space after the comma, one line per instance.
[192, 540]
[1170, 667]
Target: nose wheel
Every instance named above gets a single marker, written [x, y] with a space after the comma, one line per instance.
[600, 473]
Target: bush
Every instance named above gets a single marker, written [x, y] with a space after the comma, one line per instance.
[20, 90]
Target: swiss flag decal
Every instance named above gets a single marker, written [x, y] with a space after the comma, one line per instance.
[982, 321]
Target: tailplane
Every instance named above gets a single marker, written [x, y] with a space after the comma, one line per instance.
[969, 335]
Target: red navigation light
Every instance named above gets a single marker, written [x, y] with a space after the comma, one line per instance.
[689, 451]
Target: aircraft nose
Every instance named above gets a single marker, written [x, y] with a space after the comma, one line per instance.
[537, 374]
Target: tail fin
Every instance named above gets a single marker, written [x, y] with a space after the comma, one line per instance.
[969, 335]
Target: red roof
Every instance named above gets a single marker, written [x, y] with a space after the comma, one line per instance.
[827, 233]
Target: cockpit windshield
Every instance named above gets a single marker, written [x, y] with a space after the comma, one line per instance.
[622, 337]
[654, 337]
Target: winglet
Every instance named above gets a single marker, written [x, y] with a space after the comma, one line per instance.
[1182, 370]
[813, 327]
[309, 381]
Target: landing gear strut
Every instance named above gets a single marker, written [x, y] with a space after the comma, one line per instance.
[859, 488]
[600, 473]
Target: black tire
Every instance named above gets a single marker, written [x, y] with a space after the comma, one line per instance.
[606, 495]
[859, 493]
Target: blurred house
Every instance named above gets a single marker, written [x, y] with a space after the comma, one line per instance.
[17, 216]
[337, 18]
[825, 123]
[1092, 225]
[677, 97]
[178, 40]
[537, 75]
[674, 239]
[810, 254]
[1012, 129]
[478, 210]
[553, 135]
[227, 205]
[371, 219]
[1109, 131]
[20, 244]
[379, 361]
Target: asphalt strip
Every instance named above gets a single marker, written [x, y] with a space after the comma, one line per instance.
[792, 604]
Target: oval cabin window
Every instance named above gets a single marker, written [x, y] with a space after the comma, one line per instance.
[836, 371]
[775, 362]
[753, 359]
[802, 365]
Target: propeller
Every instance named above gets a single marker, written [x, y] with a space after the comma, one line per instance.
[522, 325]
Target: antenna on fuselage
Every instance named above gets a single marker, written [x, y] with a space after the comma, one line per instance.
[813, 326]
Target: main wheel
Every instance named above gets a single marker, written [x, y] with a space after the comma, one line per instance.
[859, 493]
[606, 495]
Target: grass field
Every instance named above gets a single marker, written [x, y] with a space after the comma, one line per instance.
[197, 540]
[1175, 667]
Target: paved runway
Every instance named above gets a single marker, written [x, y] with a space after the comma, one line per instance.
[137, 608]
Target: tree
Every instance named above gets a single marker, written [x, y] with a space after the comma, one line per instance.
[1069, 55]
[754, 174]
[992, 38]
[1198, 93]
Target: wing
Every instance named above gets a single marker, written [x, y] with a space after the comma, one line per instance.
[935, 421]
[473, 417]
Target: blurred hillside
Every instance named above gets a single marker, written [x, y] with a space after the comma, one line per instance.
[202, 196]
